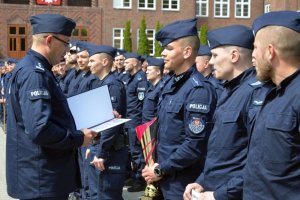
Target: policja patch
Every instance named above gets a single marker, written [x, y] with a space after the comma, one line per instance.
[196, 125]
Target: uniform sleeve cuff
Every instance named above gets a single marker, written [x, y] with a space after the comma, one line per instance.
[78, 138]
[221, 193]
[166, 170]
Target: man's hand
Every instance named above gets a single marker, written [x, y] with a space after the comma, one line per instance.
[116, 114]
[98, 163]
[148, 174]
[89, 135]
[187, 195]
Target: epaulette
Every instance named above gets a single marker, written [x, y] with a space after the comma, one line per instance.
[39, 68]
[195, 81]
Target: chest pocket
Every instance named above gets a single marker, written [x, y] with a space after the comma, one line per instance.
[279, 142]
[278, 122]
[230, 116]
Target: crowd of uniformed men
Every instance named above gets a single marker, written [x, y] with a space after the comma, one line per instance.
[228, 113]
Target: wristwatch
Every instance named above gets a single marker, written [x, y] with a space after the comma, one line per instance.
[157, 171]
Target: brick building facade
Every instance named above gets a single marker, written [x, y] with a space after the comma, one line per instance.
[103, 21]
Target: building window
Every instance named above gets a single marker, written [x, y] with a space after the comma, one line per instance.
[80, 33]
[146, 4]
[122, 4]
[202, 8]
[118, 37]
[170, 4]
[221, 8]
[267, 8]
[17, 43]
[83, 3]
[242, 8]
[151, 38]
[16, 1]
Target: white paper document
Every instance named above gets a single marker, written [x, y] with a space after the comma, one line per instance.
[93, 110]
[196, 195]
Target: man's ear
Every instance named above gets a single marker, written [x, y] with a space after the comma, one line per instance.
[235, 55]
[187, 52]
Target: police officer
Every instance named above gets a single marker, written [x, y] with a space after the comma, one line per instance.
[120, 72]
[42, 140]
[184, 114]
[71, 66]
[88, 80]
[108, 154]
[203, 66]
[272, 170]
[135, 92]
[231, 49]
[154, 74]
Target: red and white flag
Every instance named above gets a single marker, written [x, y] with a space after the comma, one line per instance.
[47, 2]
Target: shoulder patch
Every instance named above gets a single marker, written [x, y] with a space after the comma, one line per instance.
[39, 94]
[196, 125]
[198, 107]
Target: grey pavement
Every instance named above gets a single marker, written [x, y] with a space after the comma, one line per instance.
[3, 192]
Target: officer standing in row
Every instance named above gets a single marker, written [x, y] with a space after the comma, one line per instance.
[222, 177]
[206, 69]
[42, 140]
[135, 92]
[154, 74]
[120, 72]
[108, 154]
[272, 170]
[71, 66]
[185, 112]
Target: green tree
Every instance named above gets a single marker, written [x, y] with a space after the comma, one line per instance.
[127, 37]
[157, 47]
[203, 34]
[143, 44]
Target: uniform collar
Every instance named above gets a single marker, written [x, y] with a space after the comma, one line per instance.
[239, 79]
[41, 58]
[287, 81]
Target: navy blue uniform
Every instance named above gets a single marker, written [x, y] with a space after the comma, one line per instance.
[65, 82]
[88, 82]
[216, 83]
[135, 93]
[74, 83]
[122, 76]
[272, 170]
[184, 119]
[151, 101]
[42, 140]
[108, 184]
[227, 145]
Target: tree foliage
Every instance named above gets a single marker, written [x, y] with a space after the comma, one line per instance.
[143, 43]
[127, 37]
[157, 47]
[203, 34]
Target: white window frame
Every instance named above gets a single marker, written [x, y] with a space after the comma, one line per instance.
[146, 5]
[200, 3]
[170, 5]
[120, 4]
[267, 8]
[121, 37]
[222, 3]
[242, 3]
[151, 53]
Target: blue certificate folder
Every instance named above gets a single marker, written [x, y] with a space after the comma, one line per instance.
[93, 110]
